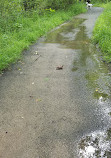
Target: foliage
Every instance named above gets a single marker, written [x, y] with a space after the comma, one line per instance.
[59, 4]
[100, 1]
[20, 28]
[102, 33]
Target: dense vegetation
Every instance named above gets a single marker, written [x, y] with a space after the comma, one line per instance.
[22, 22]
[102, 32]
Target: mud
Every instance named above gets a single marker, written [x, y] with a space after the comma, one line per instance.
[49, 113]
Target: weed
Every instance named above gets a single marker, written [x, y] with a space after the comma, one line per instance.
[18, 33]
[102, 33]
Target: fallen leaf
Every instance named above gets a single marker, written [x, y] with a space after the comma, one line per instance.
[37, 100]
[46, 79]
[31, 96]
[59, 67]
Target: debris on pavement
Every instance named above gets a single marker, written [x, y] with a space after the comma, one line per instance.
[59, 67]
[37, 57]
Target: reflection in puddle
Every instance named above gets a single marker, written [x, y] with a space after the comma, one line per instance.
[67, 35]
[96, 145]
[92, 83]
[74, 68]
[100, 96]
[92, 76]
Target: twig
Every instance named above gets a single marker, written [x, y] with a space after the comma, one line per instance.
[37, 58]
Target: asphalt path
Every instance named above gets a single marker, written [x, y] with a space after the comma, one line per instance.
[44, 112]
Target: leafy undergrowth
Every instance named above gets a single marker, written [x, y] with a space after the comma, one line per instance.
[102, 33]
[24, 30]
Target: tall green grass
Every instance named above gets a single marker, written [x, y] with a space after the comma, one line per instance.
[102, 33]
[26, 29]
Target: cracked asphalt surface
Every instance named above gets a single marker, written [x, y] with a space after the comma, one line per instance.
[44, 112]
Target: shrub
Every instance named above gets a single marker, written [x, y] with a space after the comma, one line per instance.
[102, 33]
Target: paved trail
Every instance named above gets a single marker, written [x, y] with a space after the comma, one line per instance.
[45, 112]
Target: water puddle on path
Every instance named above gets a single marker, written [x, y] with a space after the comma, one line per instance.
[92, 85]
[96, 145]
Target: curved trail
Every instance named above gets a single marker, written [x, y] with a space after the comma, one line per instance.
[44, 112]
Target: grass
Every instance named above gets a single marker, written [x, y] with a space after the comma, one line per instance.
[102, 33]
[26, 29]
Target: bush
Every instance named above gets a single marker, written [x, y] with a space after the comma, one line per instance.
[20, 28]
[102, 33]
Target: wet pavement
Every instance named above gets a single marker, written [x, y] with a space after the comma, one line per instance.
[49, 113]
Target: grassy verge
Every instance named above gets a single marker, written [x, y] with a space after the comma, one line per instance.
[102, 33]
[26, 29]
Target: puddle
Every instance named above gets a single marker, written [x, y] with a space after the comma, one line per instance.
[74, 101]
[74, 68]
[92, 76]
[92, 90]
[66, 34]
[96, 145]
[100, 96]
